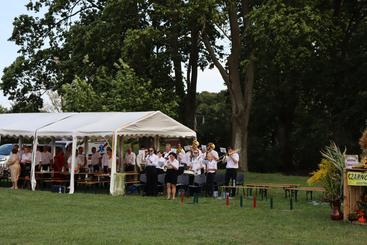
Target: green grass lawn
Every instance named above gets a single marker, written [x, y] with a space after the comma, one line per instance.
[43, 217]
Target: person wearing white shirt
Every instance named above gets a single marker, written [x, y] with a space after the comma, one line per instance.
[69, 162]
[129, 161]
[172, 166]
[81, 158]
[95, 159]
[194, 162]
[38, 158]
[46, 158]
[211, 150]
[167, 151]
[107, 160]
[232, 160]
[25, 163]
[160, 162]
[211, 169]
[151, 161]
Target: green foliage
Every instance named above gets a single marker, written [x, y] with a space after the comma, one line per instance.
[124, 92]
[309, 82]
[213, 118]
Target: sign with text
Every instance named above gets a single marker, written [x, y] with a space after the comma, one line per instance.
[357, 178]
[351, 160]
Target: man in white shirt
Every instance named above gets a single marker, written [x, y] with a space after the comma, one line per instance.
[46, 158]
[95, 160]
[167, 151]
[232, 160]
[129, 161]
[25, 165]
[151, 172]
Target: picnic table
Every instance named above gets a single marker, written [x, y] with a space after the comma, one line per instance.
[308, 189]
[263, 188]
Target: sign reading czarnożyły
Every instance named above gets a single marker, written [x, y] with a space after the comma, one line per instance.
[357, 178]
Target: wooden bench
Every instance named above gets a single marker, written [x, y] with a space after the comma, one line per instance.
[308, 189]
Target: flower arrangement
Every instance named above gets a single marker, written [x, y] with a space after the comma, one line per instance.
[330, 173]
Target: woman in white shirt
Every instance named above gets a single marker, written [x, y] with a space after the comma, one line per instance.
[232, 160]
[172, 166]
[151, 161]
[211, 169]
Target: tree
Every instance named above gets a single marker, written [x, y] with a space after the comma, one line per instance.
[124, 92]
[239, 73]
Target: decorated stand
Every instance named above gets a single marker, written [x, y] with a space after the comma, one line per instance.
[355, 194]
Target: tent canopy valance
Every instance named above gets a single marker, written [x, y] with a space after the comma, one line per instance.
[137, 124]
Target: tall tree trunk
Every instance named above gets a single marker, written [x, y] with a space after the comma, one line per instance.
[192, 77]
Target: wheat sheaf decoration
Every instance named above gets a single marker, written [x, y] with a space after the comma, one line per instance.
[363, 140]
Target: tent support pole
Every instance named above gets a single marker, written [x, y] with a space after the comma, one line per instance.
[156, 143]
[33, 166]
[53, 146]
[113, 167]
[86, 146]
[20, 142]
[73, 162]
[121, 141]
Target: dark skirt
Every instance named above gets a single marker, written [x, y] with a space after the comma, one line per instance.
[171, 176]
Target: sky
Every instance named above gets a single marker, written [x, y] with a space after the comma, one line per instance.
[208, 80]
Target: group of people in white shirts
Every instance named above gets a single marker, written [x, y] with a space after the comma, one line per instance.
[193, 162]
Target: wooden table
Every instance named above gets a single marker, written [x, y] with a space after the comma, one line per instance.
[308, 189]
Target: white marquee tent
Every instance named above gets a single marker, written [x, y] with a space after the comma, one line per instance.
[133, 124]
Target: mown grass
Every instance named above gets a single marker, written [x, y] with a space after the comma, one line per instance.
[50, 218]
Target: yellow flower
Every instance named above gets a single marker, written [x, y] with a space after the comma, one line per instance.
[324, 169]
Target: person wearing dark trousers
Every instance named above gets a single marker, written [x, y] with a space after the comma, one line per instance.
[151, 172]
[232, 160]
[211, 168]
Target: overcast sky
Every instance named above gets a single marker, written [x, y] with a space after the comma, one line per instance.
[209, 80]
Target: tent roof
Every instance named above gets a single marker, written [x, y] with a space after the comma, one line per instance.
[151, 123]
[25, 124]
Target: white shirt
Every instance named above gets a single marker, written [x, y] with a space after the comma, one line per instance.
[172, 164]
[38, 157]
[181, 157]
[140, 159]
[46, 157]
[166, 154]
[106, 161]
[26, 157]
[94, 160]
[69, 163]
[161, 162]
[130, 158]
[81, 160]
[211, 166]
[214, 154]
[152, 160]
[232, 160]
[196, 164]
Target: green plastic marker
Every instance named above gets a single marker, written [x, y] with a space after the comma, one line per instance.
[241, 201]
[291, 203]
[271, 203]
